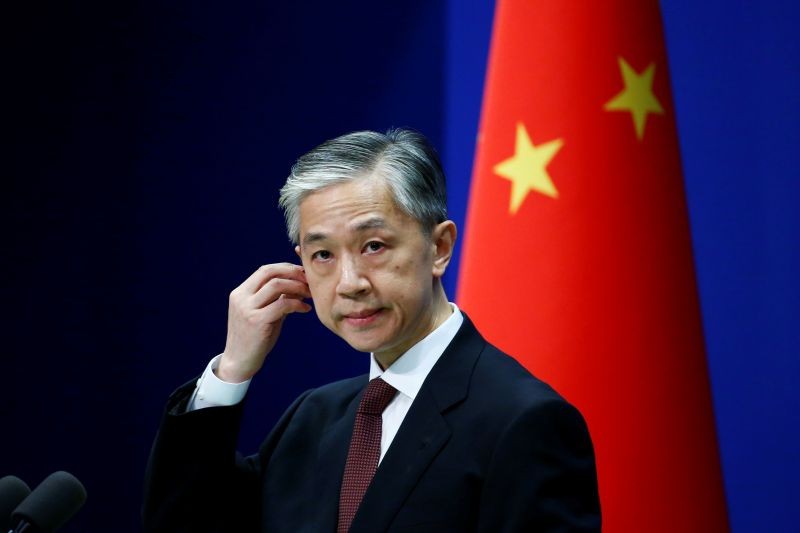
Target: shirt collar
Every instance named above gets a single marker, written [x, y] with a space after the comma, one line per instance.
[409, 371]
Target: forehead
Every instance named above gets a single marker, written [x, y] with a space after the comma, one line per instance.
[348, 206]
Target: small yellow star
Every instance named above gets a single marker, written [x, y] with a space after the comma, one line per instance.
[527, 168]
[637, 96]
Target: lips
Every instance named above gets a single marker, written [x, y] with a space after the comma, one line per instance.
[362, 314]
[362, 318]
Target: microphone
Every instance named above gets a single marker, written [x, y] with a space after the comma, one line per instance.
[50, 505]
[12, 491]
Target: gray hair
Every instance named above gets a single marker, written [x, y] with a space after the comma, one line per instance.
[404, 158]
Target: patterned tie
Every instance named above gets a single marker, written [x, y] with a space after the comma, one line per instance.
[365, 450]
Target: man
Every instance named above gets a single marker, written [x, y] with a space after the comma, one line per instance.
[450, 434]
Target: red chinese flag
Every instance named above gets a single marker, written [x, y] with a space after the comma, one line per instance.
[577, 258]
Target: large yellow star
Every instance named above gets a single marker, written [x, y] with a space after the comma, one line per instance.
[526, 169]
[637, 96]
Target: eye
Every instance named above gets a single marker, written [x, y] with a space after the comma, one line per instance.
[321, 255]
[373, 247]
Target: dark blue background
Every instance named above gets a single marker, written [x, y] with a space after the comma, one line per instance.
[148, 141]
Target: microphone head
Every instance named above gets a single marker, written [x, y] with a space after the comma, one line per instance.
[52, 503]
[12, 491]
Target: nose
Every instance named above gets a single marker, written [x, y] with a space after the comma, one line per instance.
[352, 279]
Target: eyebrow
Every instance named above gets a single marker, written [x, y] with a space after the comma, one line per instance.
[311, 238]
[371, 223]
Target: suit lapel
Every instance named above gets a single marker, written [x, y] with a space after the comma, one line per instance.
[422, 435]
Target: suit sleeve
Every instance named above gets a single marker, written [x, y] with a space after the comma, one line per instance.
[542, 475]
[195, 480]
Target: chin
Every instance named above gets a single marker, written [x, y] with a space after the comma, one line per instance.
[365, 343]
[363, 346]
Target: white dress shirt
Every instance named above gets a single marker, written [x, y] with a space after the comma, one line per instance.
[406, 375]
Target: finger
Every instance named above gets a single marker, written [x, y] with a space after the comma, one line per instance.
[274, 288]
[266, 272]
[284, 306]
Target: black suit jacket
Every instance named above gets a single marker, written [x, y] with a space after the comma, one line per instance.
[484, 447]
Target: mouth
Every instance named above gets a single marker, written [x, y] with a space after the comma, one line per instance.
[362, 318]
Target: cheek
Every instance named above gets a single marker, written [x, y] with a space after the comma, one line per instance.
[321, 294]
[315, 286]
[409, 284]
[322, 306]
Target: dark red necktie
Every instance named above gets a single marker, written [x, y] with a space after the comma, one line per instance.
[365, 450]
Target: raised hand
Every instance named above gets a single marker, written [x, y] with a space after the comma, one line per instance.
[256, 311]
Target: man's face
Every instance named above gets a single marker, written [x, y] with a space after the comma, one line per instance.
[370, 268]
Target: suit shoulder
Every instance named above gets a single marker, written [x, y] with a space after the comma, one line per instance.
[511, 384]
[343, 386]
[313, 410]
[336, 395]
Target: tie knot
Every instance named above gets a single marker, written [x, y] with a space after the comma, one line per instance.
[376, 397]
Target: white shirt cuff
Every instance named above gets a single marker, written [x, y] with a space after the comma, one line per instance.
[213, 392]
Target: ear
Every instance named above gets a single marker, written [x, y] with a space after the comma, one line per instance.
[297, 251]
[443, 240]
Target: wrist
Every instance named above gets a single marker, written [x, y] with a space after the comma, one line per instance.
[230, 372]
